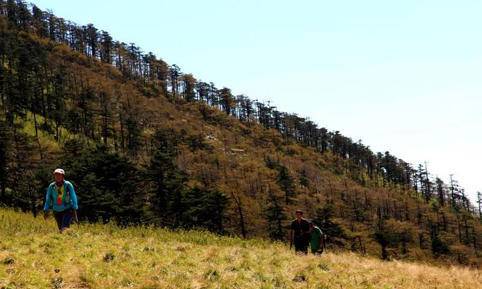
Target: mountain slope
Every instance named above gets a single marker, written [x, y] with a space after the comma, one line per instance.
[34, 255]
[146, 144]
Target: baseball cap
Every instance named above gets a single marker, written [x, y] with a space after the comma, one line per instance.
[59, 171]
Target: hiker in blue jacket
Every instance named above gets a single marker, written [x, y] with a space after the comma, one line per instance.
[61, 198]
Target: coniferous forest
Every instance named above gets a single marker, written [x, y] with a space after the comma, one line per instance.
[145, 143]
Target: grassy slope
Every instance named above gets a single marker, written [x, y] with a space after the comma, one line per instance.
[34, 255]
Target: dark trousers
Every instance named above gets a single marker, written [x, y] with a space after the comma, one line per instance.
[301, 245]
[63, 219]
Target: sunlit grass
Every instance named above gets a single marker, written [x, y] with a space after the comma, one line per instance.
[46, 140]
[34, 255]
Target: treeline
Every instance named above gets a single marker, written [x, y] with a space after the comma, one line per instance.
[156, 77]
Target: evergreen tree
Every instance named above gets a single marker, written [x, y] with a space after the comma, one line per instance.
[189, 87]
[286, 183]
[226, 100]
[204, 208]
[275, 216]
[479, 202]
[165, 182]
[332, 231]
[133, 135]
[106, 185]
[4, 148]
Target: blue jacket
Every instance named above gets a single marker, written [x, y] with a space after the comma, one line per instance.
[68, 200]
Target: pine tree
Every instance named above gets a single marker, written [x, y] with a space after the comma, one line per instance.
[174, 75]
[133, 136]
[479, 202]
[106, 47]
[440, 191]
[275, 216]
[324, 219]
[203, 208]
[165, 180]
[226, 100]
[4, 148]
[286, 183]
[106, 184]
[189, 82]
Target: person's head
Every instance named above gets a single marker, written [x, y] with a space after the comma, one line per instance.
[299, 214]
[59, 175]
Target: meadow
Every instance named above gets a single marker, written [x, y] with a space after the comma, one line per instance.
[34, 255]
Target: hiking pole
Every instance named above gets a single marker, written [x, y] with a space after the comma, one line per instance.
[324, 241]
[76, 218]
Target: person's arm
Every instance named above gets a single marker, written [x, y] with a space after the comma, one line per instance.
[291, 238]
[306, 229]
[323, 240]
[73, 198]
[291, 235]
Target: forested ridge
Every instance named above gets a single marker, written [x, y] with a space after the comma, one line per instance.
[145, 143]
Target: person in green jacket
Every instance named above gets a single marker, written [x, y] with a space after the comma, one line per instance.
[62, 200]
[316, 239]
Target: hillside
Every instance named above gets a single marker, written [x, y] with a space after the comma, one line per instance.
[34, 255]
[145, 144]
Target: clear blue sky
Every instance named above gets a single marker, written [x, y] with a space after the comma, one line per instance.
[403, 76]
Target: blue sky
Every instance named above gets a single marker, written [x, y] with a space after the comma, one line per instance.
[402, 76]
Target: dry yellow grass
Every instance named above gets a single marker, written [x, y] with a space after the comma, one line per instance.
[34, 255]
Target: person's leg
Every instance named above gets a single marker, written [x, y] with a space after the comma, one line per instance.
[58, 218]
[305, 243]
[301, 246]
[298, 246]
[66, 220]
